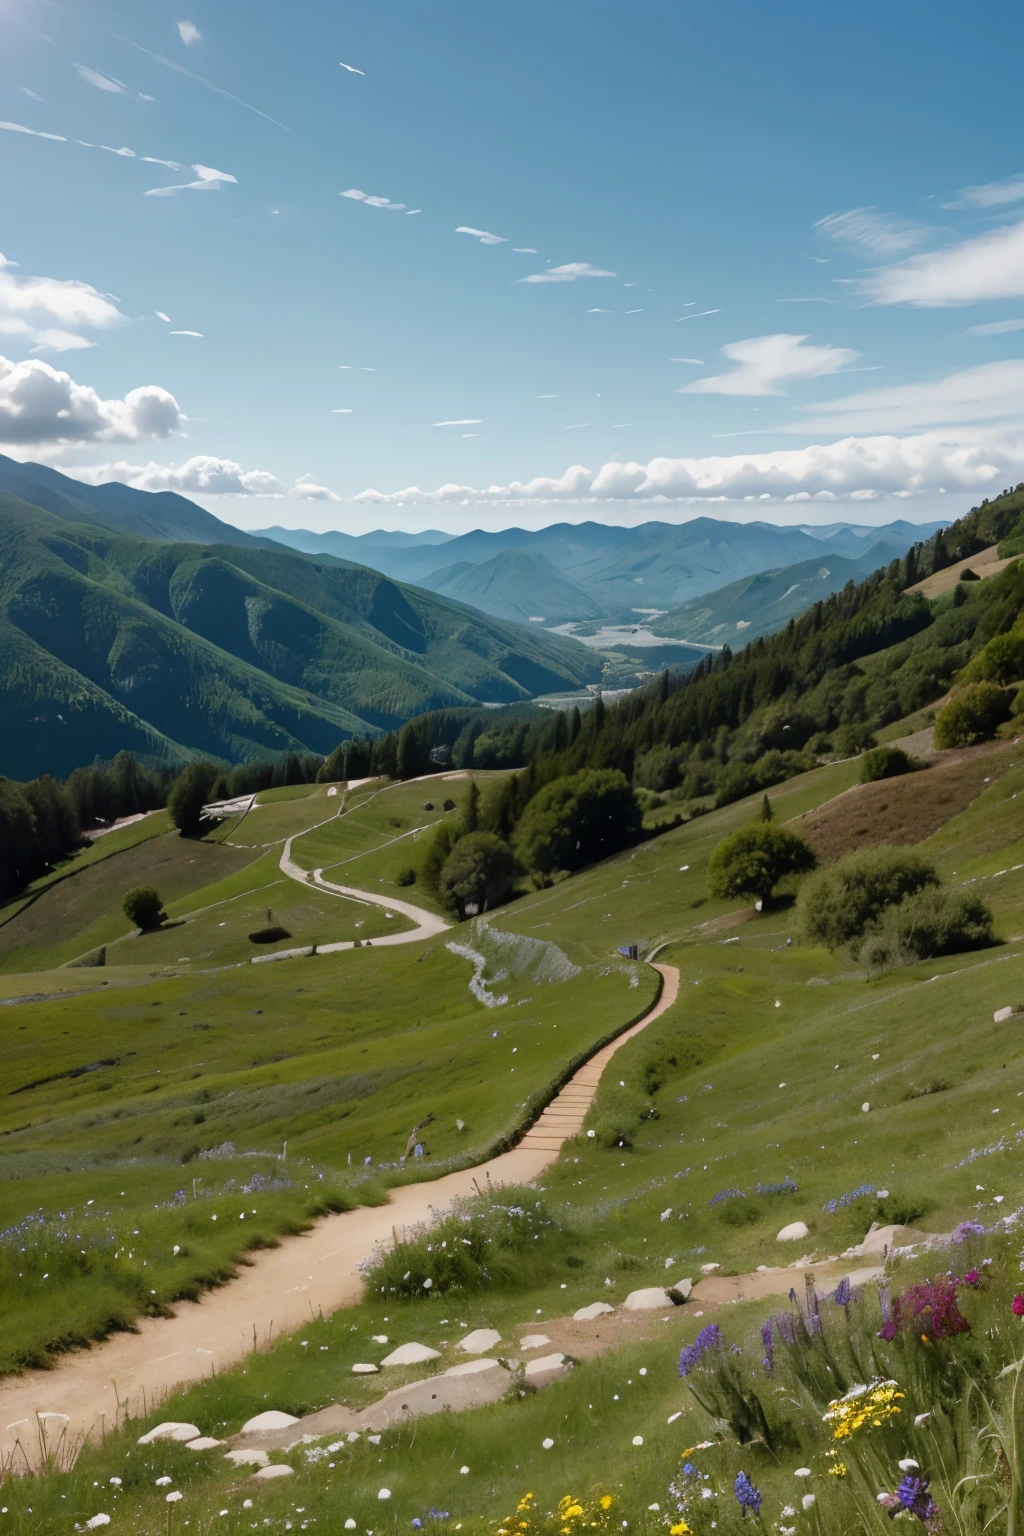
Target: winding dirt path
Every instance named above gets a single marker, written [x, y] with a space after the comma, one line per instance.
[427, 924]
[283, 1287]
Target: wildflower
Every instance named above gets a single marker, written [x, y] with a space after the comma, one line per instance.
[914, 1496]
[841, 1294]
[863, 1405]
[172, 1498]
[680, 1529]
[769, 1349]
[350, 1524]
[972, 1277]
[802, 1472]
[908, 1464]
[638, 1439]
[747, 1496]
[808, 1501]
[442, 1514]
[1017, 1306]
[383, 1493]
[417, 1524]
[967, 1229]
[691, 1354]
[932, 1305]
[162, 1482]
[463, 1470]
[548, 1443]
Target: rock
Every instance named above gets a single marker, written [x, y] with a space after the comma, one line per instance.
[709, 1269]
[587, 1314]
[333, 1420]
[653, 1298]
[249, 1457]
[271, 1418]
[361, 1369]
[1001, 1015]
[204, 1443]
[534, 1341]
[474, 1384]
[882, 1240]
[279, 1469]
[480, 1341]
[547, 1369]
[171, 1430]
[411, 1354]
[796, 1232]
[681, 1289]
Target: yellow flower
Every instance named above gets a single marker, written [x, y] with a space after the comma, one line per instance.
[606, 1501]
[682, 1529]
[837, 1469]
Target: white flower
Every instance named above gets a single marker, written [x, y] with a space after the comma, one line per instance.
[162, 1482]
[707, 1493]
[802, 1472]
[96, 1522]
[921, 1418]
[116, 1482]
[638, 1439]
[350, 1524]
[548, 1443]
[643, 1370]
[591, 1134]
[172, 1498]
[655, 1507]
[786, 1511]
[427, 1284]
[464, 1470]
[247, 1503]
[808, 1501]
[383, 1493]
[176, 1249]
[908, 1464]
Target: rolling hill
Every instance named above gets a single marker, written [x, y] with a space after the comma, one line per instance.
[236, 651]
[515, 585]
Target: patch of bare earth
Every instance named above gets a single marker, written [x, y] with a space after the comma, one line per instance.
[906, 809]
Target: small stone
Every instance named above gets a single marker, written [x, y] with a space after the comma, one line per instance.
[279, 1469]
[652, 1298]
[247, 1458]
[709, 1269]
[1001, 1015]
[587, 1314]
[271, 1418]
[411, 1354]
[171, 1430]
[796, 1232]
[204, 1443]
[480, 1341]
[363, 1369]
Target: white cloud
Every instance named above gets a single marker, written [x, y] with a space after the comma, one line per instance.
[342, 410]
[698, 316]
[201, 475]
[38, 404]
[35, 96]
[698, 360]
[161, 316]
[868, 229]
[986, 393]
[209, 181]
[991, 194]
[58, 138]
[189, 33]
[600, 311]
[372, 202]
[186, 333]
[49, 312]
[566, 274]
[100, 81]
[482, 235]
[466, 421]
[991, 266]
[855, 468]
[352, 69]
[306, 489]
[995, 328]
[766, 364]
[524, 250]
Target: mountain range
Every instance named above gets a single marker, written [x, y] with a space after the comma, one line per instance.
[591, 571]
[117, 630]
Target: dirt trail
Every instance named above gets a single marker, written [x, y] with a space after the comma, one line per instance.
[428, 924]
[285, 1286]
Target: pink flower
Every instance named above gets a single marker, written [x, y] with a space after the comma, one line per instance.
[1017, 1306]
[972, 1277]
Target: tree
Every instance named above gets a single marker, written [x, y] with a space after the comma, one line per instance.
[767, 814]
[189, 793]
[932, 922]
[886, 763]
[471, 814]
[753, 859]
[839, 905]
[576, 819]
[477, 874]
[143, 908]
[973, 714]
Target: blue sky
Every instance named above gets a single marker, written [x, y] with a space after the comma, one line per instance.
[743, 254]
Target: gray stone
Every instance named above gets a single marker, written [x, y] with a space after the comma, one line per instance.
[652, 1298]
[473, 1385]
[279, 1469]
[247, 1456]
[204, 1443]
[480, 1341]
[361, 1369]
[681, 1289]
[271, 1418]
[172, 1429]
[796, 1232]
[411, 1354]
[534, 1341]
[1001, 1015]
[588, 1314]
[547, 1369]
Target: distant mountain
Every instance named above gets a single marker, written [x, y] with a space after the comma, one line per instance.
[354, 546]
[624, 571]
[237, 651]
[515, 585]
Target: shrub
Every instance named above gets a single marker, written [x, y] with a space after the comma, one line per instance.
[973, 714]
[658, 770]
[931, 922]
[753, 859]
[477, 874]
[839, 904]
[269, 935]
[143, 908]
[406, 876]
[886, 763]
[852, 738]
[449, 805]
[1001, 660]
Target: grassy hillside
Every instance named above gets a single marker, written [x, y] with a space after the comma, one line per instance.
[172, 649]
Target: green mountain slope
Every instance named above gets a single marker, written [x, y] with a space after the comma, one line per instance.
[759, 605]
[170, 649]
[516, 585]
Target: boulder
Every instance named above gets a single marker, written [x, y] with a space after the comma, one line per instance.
[709, 1269]
[480, 1341]
[881, 1240]
[796, 1232]
[680, 1290]
[587, 1314]
[1001, 1015]
[475, 1384]
[247, 1457]
[203, 1443]
[534, 1341]
[362, 1369]
[653, 1298]
[279, 1469]
[411, 1354]
[271, 1418]
[171, 1430]
[547, 1369]
[334, 1420]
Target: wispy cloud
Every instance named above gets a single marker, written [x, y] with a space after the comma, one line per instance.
[101, 81]
[989, 392]
[342, 410]
[483, 235]
[991, 266]
[632, 311]
[549, 397]
[187, 333]
[189, 33]
[465, 421]
[179, 69]
[600, 311]
[209, 181]
[161, 316]
[698, 360]
[766, 364]
[524, 250]
[307, 489]
[372, 202]
[58, 138]
[567, 273]
[351, 68]
[869, 229]
[991, 194]
[996, 328]
[699, 315]
[33, 94]
[576, 426]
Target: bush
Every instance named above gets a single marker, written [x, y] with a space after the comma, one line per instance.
[972, 715]
[853, 738]
[406, 876]
[1001, 660]
[931, 922]
[477, 874]
[840, 904]
[269, 935]
[658, 770]
[575, 820]
[753, 859]
[886, 763]
[143, 908]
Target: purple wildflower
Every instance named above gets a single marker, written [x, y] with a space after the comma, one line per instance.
[747, 1496]
[769, 1348]
[785, 1327]
[913, 1495]
[787, 1187]
[931, 1308]
[967, 1229]
[841, 1294]
[831, 1206]
[437, 1514]
[726, 1194]
[691, 1354]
